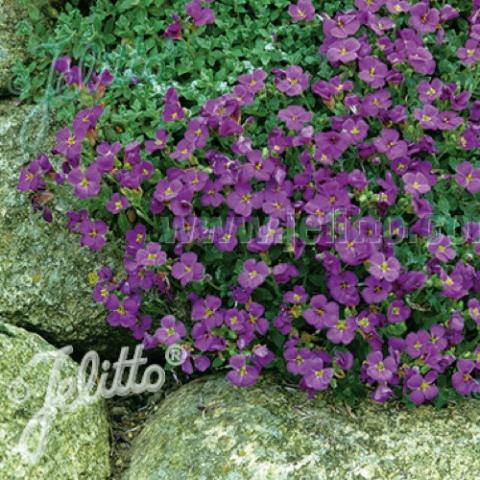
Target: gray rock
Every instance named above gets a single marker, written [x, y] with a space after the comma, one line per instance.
[77, 441]
[12, 47]
[43, 269]
[210, 430]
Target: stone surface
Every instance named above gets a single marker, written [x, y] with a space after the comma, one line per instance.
[43, 269]
[210, 430]
[11, 46]
[77, 441]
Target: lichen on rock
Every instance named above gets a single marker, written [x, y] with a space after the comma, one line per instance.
[211, 430]
[77, 440]
[11, 48]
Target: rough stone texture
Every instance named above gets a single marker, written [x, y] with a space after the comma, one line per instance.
[43, 269]
[209, 430]
[77, 444]
[11, 46]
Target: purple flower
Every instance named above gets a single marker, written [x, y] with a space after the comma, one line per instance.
[380, 369]
[188, 269]
[357, 130]
[423, 18]
[321, 311]
[417, 343]
[296, 358]
[341, 331]
[254, 274]
[183, 150]
[242, 375]
[117, 203]
[372, 71]
[427, 116]
[416, 183]
[343, 51]
[383, 267]
[441, 248]
[343, 288]
[397, 6]
[173, 111]
[376, 290]
[242, 200]
[370, 6]
[398, 311]
[470, 53]
[462, 379]
[283, 272]
[292, 81]
[160, 142]
[151, 256]
[31, 177]
[208, 308]
[422, 388]
[171, 330]
[69, 144]
[86, 182]
[294, 117]
[123, 313]
[344, 360]
[375, 102]
[254, 82]
[468, 177]
[166, 190]
[421, 59]
[296, 296]
[468, 140]
[390, 144]
[174, 29]
[201, 16]
[317, 377]
[135, 239]
[86, 120]
[302, 11]
[261, 356]
[474, 310]
[429, 91]
[381, 394]
[342, 26]
[93, 234]
[448, 121]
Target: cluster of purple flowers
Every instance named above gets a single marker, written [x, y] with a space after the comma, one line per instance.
[198, 11]
[370, 295]
[72, 74]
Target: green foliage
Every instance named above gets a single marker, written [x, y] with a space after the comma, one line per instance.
[127, 37]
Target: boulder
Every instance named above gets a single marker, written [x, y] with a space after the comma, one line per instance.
[12, 45]
[76, 440]
[17, 19]
[210, 430]
[43, 269]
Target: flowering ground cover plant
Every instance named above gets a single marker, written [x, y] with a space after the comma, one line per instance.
[321, 224]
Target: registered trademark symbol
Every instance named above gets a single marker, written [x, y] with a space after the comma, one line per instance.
[175, 355]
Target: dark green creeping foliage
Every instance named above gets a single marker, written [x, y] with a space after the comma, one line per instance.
[127, 37]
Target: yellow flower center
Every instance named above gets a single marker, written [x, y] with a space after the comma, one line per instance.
[424, 386]
[341, 325]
